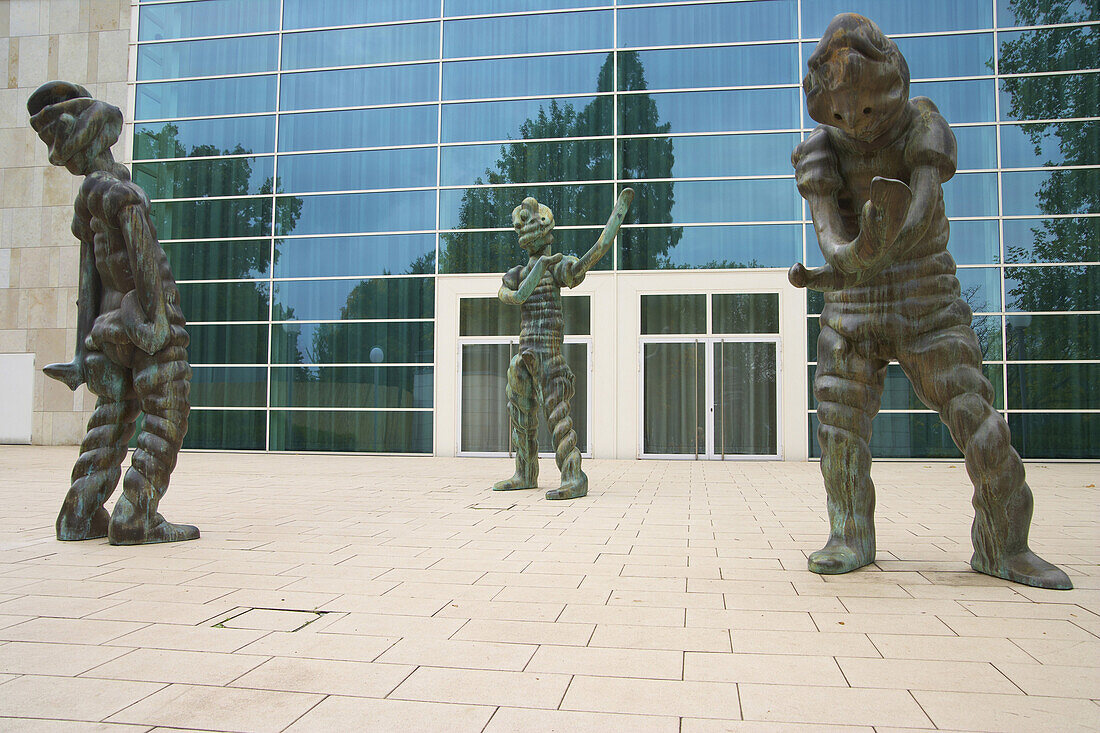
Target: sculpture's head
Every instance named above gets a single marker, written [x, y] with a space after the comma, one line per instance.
[533, 223]
[858, 80]
[77, 128]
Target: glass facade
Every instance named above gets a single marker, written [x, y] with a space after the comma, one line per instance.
[316, 165]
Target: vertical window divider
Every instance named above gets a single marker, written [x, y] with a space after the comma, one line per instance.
[438, 203]
[274, 219]
[1003, 319]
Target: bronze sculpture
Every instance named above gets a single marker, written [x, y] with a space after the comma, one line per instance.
[872, 173]
[131, 343]
[539, 373]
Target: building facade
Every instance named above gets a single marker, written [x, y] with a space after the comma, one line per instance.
[333, 182]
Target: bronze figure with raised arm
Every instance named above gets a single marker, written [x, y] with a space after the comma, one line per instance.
[872, 173]
[131, 344]
[538, 373]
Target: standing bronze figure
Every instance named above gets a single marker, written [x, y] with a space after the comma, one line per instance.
[131, 344]
[539, 372]
[872, 173]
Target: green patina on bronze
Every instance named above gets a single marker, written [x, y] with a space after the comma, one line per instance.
[538, 373]
[872, 173]
[131, 341]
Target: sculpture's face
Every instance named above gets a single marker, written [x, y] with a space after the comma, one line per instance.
[77, 131]
[858, 80]
[533, 223]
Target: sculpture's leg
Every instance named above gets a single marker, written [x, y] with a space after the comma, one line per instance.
[162, 381]
[558, 387]
[848, 388]
[523, 420]
[945, 369]
[102, 451]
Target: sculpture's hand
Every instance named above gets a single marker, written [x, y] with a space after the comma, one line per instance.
[823, 279]
[549, 260]
[882, 217]
[70, 374]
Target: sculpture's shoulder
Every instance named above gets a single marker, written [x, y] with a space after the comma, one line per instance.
[815, 163]
[930, 140]
[105, 195]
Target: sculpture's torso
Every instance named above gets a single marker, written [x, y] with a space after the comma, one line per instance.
[542, 324]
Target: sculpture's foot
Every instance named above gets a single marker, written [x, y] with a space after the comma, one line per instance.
[69, 529]
[571, 488]
[840, 556]
[518, 481]
[1024, 567]
[162, 531]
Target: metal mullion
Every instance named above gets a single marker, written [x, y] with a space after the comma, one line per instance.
[438, 206]
[274, 221]
[523, 13]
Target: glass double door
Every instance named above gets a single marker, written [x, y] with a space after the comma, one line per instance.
[710, 397]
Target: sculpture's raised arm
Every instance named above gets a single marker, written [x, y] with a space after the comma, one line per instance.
[571, 271]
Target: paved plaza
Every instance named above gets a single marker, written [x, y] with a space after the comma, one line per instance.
[336, 592]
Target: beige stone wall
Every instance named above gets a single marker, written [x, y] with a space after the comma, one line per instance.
[83, 41]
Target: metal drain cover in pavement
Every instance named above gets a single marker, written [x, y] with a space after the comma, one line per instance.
[269, 619]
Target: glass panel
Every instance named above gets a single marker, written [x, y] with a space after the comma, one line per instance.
[357, 170]
[476, 7]
[533, 76]
[707, 156]
[674, 414]
[1052, 288]
[746, 419]
[358, 87]
[745, 313]
[1054, 386]
[229, 387]
[197, 178]
[349, 300]
[696, 68]
[360, 432]
[237, 259]
[354, 46]
[977, 147]
[1052, 240]
[972, 242]
[716, 201]
[352, 343]
[207, 58]
[357, 128]
[674, 314]
[586, 160]
[717, 23]
[185, 138]
[372, 387]
[320, 13]
[227, 344]
[944, 56]
[242, 301]
[981, 288]
[1031, 338]
[960, 101]
[1050, 97]
[527, 118]
[485, 427]
[1058, 435]
[356, 212]
[232, 96]
[527, 34]
[394, 254]
[988, 331]
[1049, 49]
[1058, 143]
[210, 18]
[894, 17]
[898, 392]
[709, 247]
[490, 317]
[212, 219]
[813, 330]
[726, 111]
[225, 430]
[1051, 192]
[971, 194]
[483, 208]
[1026, 12]
[903, 435]
[498, 251]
